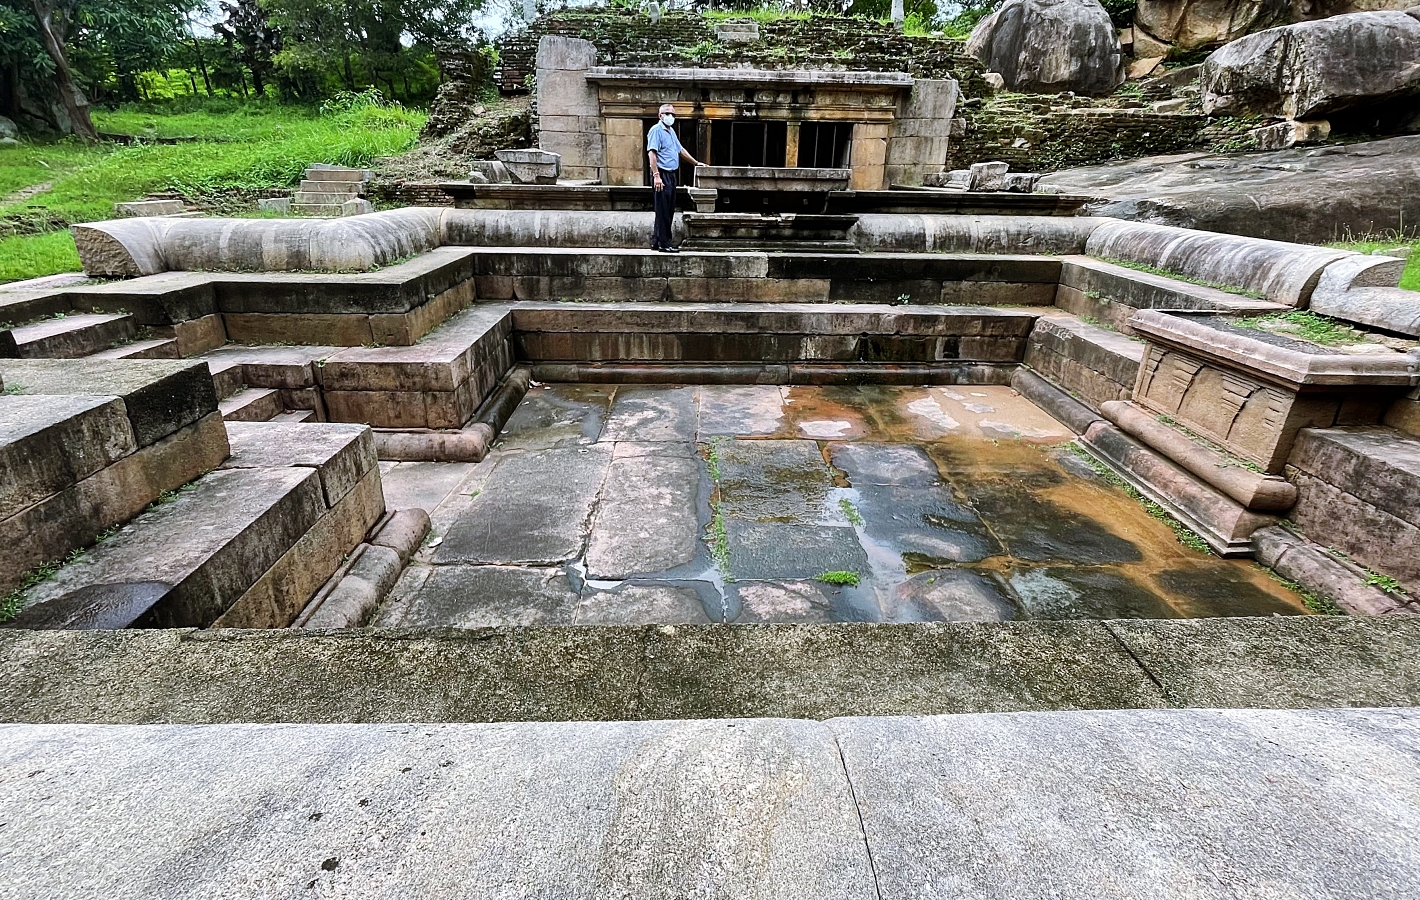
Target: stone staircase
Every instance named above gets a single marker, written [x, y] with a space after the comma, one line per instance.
[124, 499]
[326, 189]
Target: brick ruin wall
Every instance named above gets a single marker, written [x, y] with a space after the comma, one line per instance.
[1032, 133]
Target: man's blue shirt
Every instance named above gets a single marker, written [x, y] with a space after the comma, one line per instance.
[667, 146]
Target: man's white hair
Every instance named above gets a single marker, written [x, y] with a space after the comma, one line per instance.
[666, 107]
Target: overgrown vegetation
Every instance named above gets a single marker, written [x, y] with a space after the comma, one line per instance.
[1185, 535]
[1304, 324]
[233, 146]
[844, 578]
[850, 512]
[1320, 604]
[716, 536]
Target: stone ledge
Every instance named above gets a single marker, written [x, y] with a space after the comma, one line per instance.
[634, 673]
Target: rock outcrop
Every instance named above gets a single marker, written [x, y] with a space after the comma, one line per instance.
[1198, 24]
[1313, 195]
[1050, 46]
[1314, 69]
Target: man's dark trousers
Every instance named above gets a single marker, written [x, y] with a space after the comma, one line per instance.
[664, 201]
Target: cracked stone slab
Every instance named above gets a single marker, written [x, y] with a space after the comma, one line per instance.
[747, 808]
[649, 604]
[773, 481]
[652, 413]
[1193, 804]
[481, 596]
[772, 551]
[740, 410]
[647, 519]
[533, 510]
[557, 415]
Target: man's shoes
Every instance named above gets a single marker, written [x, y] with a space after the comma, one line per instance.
[670, 249]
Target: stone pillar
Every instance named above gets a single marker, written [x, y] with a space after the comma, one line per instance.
[568, 116]
[867, 155]
[918, 140]
[791, 145]
[625, 151]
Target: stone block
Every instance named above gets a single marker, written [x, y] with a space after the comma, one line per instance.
[75, 517]
[149, 208]
[1298, 560]
[987, 176]
[198, 336]
[531, 166]
[352, 330]
[206, 547]
[1367, 533]
[280, 594]
[441, 361]
[49, 442]
[342, 454]
[404, 330]
[159, 396]
[736, 31]
[356, 207]
[1112, 355]
[280, 205]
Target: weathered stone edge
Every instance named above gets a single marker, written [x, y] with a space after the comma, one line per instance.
[661, 672]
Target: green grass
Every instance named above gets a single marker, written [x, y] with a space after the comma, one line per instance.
[1303, 324]
[33, 255]
[1411, 279]
[850, 512]
[257, 145]
[850, 579]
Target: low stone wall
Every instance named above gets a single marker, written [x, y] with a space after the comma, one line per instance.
[1037, 134]
[1359, 493]
[1092, 364]
[1112, 294]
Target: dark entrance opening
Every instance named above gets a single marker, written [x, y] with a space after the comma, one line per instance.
[688, 133]
[824, 145]
[737, 143]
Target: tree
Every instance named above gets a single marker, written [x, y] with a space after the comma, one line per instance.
[54, 18]
[248, 27]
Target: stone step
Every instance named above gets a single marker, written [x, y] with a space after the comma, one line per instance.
[337, 173]
[48, 443]
[154, 348]
[185, 561]
[1091, 363]
[252, 405]
[294, 416]
[331, 186]
[323, 210]
[305, 197]
[860, 807]
[72, 336]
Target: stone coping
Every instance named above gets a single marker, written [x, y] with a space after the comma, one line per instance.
[1280, 364]
[665, 672]
[1192, 803]
[764, 178]
[887, 81]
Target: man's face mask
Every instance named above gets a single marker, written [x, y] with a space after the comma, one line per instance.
[668, 119]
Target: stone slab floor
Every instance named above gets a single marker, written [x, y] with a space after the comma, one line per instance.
[1171, 805]
[649, 504]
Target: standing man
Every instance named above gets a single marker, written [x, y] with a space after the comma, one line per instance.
[664, 152]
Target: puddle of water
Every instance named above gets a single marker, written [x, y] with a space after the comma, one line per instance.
[986, 520]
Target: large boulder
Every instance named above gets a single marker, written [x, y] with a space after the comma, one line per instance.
[1197, 24]
[1317, 68]
[1050, 46]
[1314, 195]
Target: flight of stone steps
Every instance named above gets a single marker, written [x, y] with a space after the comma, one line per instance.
[331, 191]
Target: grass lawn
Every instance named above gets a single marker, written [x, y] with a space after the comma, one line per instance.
[44, 187]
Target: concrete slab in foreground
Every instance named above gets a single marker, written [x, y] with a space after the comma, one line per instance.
[1195, 804]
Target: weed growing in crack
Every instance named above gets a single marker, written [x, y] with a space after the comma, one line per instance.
[850, 579]
[850, 512]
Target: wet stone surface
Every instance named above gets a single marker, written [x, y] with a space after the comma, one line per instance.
[647, 504]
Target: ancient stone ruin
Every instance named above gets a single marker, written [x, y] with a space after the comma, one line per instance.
[479, 549]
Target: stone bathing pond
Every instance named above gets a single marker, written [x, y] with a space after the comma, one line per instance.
[662, 504]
